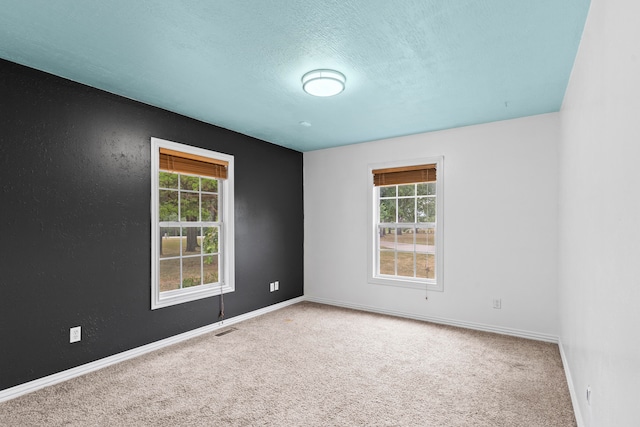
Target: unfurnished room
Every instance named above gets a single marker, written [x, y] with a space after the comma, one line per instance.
[339, 213]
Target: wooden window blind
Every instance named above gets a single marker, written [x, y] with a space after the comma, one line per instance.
[177, 161]
[404, 175]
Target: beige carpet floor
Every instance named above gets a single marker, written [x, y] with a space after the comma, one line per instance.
[317, 365]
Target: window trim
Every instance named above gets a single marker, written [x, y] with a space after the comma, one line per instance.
[227, 255]
[431, 285]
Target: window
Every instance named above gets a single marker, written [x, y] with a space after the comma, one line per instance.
[192, 223]
[406, 232]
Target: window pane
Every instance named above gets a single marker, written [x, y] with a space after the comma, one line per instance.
[188, 182]
[387, 238]
[168, 180]
[169, 242]
[405, 264]
[431, 189]
[168, 205]
[421, 265]
[421, 189]
[388, 191]
[210, 267]
[169, 275]
[407, 190]
[424, 241]
[190, 244]
[426, 209]
[387, 262]
[210, 242]
[209, 184]
[189, 206]
[209, 207]
[191, 272]
[431, 210]
[405, 239]
[406, 210]
[431, 266]
[388, 210]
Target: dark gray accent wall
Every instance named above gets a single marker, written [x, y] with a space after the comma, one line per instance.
[75, 226]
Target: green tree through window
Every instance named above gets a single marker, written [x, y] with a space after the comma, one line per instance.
[193, 221]
[406, 234]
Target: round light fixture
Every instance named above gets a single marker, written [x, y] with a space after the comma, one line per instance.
[323, 82]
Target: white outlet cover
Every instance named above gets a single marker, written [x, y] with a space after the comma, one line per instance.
[75, 334]
[277, 285]
[272, 287]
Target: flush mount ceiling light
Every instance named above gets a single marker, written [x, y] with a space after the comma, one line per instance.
[323, 82]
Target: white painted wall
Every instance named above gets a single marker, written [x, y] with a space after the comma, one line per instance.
[599, 220]
[500, 225]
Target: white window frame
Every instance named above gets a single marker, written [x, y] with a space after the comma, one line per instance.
[436, 284]
[226, 282]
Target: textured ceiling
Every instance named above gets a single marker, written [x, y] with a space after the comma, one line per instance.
[411, 65]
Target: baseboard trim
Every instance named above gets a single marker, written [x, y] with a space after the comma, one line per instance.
[31, 386]
[572, 391]
[443, 321]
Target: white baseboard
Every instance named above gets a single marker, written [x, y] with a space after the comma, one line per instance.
[469, 325]
[59, 377]
[572, 390]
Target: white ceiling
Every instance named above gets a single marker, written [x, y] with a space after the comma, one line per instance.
[411, 65]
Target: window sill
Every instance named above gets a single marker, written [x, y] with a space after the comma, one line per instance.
[170, 298]
[411, 284]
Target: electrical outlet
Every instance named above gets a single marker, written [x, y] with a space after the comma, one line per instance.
[75, 334]
[497, 303]
[272, 287]
[589, 395]
[277, 285]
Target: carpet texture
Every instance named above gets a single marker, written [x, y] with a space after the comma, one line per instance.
[316, 365]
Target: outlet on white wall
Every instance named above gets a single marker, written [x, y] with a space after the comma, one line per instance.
[75, 334]
[497, 303]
